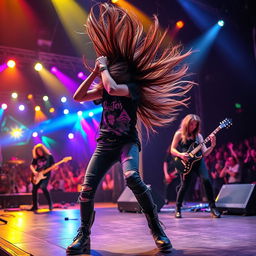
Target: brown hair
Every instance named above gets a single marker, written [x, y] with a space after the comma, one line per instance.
[135, 57]
[41, 146]
[185, 125]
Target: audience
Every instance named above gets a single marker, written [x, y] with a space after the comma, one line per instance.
[230, 163]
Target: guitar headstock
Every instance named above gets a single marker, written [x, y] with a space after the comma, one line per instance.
[226, 123]
[67, 158]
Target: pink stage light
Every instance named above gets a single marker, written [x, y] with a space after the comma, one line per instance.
[54, 69]
[4, 106]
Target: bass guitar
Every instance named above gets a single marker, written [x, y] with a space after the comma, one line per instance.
[194, 151]
[36, 178]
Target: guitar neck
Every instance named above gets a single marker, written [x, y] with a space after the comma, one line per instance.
[52, 167]
[199, 147]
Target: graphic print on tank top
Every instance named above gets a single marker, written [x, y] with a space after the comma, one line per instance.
[115, 118]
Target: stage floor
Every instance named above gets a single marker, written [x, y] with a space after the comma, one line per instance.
[114, 233]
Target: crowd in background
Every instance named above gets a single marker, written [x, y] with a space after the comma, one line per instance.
[68, 177]
[233, 163]
[230, 163]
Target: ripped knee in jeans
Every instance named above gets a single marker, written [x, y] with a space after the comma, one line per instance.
[128, 174]
[86, 194]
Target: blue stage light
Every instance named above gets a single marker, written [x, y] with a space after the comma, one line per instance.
[221, 23]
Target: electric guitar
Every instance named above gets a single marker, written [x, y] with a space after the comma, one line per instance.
[194, 151]
[36, 178]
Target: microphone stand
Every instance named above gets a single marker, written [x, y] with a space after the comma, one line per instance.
[4, 221]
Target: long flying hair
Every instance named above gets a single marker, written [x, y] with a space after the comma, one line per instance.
[41, 146]
[135, 57]
[184, 126]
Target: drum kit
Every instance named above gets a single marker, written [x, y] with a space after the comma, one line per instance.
[16, 161]
[8, 173]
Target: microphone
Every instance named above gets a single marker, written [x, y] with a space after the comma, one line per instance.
[67, 218]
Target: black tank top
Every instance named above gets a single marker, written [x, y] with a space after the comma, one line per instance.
[183, 147]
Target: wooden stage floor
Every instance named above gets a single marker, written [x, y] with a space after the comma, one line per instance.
[114, 233]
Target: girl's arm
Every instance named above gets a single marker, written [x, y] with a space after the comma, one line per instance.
[109, 84]
[207, 150]
[83, 93]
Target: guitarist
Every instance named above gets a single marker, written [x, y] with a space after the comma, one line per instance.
[42, 159]
[183, 138]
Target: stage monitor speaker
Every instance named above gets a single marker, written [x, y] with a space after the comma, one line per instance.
[128, 203]
[237, 199]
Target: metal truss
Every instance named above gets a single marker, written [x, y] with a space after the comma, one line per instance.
[29, 57]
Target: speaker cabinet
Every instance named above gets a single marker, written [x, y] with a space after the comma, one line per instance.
[237, 199]
[127, 202]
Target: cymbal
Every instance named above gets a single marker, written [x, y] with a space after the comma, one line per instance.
[16, 161]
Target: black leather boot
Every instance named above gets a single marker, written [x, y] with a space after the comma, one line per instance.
[178, 212]
[82, 243]
[162, 241]
[150, 210]
[33, 208]
[215, 212]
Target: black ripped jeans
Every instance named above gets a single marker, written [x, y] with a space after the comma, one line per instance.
[103, 158]
[43, 185]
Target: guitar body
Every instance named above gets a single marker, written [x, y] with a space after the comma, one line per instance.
[194, 150]
[35, 179]
[185, 167]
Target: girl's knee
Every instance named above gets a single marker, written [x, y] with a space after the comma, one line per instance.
[87, 194]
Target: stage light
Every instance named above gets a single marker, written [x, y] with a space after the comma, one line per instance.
[52, 110]
[45, 98]
[180, 24]
[114, 1]
[34, 134]
[53, 69]
[221, 23]
[30, 96]
[238, 105]
[16, 133]
[63, 99]
[65, 111]
[38, 66]
[4, 106]
[11, 63]
[80, 113]
[14, 95]
[91, 114]
[21, 107]
[37, 108]
[71, 136]
[80, 75]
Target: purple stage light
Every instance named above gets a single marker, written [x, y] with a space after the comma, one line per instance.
[21, 107]
[34, 134]
[54, 70]
[80, 75]
[71, 136]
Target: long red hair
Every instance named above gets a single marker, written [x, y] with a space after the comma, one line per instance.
[135, 57]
